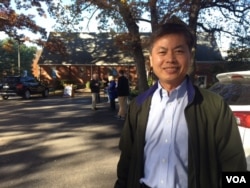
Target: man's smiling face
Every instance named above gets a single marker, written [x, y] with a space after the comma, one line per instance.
[170, 59]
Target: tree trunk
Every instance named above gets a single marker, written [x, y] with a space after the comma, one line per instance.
[136, 47]
[193, 17]
[140, 67]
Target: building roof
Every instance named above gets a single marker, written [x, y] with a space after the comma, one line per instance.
[207, 49]
[100, 49]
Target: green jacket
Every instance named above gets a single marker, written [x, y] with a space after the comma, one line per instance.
[214, 140]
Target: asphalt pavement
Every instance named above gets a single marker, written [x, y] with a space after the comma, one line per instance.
[58, 142]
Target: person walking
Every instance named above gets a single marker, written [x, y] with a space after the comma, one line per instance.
[112, 92]
[123, 93]
[95, 90]
[176, 134]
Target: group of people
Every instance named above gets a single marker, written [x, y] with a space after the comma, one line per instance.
[114, 89]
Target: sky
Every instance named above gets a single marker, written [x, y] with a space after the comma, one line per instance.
[45, 22]
[48, 23]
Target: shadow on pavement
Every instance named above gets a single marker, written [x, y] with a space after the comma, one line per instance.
[58, 142]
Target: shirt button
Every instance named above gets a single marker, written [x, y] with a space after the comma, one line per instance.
[162, 181]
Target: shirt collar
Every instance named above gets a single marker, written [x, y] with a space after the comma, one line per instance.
[177, 93]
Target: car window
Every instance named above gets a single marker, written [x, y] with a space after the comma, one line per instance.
[28, 79]
[233, 93]
[11, 79]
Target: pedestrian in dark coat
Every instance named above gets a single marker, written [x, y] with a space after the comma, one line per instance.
[123, 93]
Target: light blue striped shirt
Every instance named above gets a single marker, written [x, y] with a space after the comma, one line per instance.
[166, 147]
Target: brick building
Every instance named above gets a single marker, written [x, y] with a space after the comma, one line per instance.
[74, 57]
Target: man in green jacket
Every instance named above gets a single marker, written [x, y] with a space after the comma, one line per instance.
[175, 134]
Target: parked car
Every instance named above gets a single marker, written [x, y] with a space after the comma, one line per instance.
[234, 87]
[22, 86]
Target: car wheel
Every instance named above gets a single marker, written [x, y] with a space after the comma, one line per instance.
[46, 93]
[5, 97]
[27, 94]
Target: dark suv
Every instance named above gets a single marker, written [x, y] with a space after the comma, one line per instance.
[22, 86]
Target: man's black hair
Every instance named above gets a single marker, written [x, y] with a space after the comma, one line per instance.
[172, 28]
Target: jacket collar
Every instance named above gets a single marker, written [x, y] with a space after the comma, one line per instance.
[190, 90]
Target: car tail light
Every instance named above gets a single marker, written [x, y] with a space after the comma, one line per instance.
[236, 76]
[19, 86]
[243, 119]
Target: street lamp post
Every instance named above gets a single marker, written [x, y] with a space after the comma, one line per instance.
[18, 58]
[19, 40]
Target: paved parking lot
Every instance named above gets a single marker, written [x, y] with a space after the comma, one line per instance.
[57, 143]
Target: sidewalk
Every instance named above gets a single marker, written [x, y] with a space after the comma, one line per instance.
[78, 92]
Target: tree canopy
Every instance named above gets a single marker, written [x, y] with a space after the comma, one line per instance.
[9, 57]
[219, 17]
